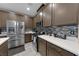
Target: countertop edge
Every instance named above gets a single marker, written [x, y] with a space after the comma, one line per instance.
[2, 40]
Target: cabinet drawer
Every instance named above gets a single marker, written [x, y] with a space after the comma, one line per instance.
[11, 43]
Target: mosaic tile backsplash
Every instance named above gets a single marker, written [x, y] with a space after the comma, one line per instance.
[69, 30]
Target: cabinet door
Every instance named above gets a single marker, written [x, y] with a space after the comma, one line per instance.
[28, 38]
[20, 17]
[65, 13]
[34, 22]
[4, 49]
[12, 16]
[66, 53]
[28, 22]
[52, 50]
[47, 15]
[3, 18]
[42, 46]
[78, 21]
[0, 19]
[37, 18]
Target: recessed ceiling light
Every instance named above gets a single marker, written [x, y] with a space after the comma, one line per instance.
[28, 9]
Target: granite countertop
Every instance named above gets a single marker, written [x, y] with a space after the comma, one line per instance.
[70, 44]
[2, 40]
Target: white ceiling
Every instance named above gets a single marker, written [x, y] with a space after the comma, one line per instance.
[21, 7]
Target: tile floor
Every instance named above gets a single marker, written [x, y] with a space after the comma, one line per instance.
[27, 50]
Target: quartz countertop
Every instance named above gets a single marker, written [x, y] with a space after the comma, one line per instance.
[3, 34]
[2, 40]
[29, 32]
[69, 44]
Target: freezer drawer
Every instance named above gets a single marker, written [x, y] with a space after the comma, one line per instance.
[11, 43]
[15, 43]
[12, 38]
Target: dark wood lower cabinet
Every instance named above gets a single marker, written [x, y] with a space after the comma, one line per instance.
[52, 50]
[28, 38]
[66, 53]
[4, 49]
[48, 49]
[42, 46]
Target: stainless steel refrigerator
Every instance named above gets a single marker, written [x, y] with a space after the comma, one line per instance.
[15, 30]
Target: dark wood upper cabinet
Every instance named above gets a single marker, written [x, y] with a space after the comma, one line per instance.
[36, 19]
[59, 14]
[47, 15]
[65, 13]
[28, 22]
[19, 17]
[78, 14]
[12, 16]
[3, 18]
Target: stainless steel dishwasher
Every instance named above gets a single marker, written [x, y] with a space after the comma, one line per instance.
[34, 39]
